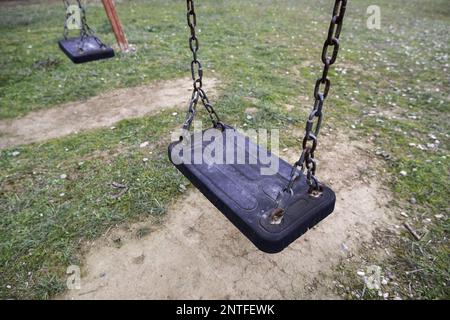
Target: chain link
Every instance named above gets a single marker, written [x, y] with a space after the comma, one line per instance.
[322, 87]
[307, 161]
[197, 73]
[86, 30]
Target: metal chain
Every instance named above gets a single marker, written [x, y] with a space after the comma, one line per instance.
[322, 87]
[197, 74]
[307, 160]
[86, 30]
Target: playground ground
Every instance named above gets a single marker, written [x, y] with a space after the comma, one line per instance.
[68, 133]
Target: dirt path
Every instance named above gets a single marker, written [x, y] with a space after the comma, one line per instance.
[100, 111]
[197, 254]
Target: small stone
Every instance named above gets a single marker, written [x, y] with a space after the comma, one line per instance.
[249, 117]
[403, 173]
[421, 147]
[145, 159]
[63, 176]
[15, 153]
[438, 216]
[112, 128]
[361, 273]
[62, 194]
[139, 260]
[117, 240]
[384, 282]
[174, 114]
[413, 200]
[404, 214]
[144, 144]
[8, 286]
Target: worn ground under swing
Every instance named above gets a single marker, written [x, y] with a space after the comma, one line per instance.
[197, 254]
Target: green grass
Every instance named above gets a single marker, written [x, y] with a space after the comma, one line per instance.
[265, 50]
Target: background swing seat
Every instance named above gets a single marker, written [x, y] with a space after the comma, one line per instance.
[91, 49]
[247, 198]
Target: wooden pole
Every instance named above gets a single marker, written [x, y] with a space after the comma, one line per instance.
[116, 25]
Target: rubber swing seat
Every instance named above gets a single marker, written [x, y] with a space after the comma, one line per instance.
[91, 49]
[246, 196]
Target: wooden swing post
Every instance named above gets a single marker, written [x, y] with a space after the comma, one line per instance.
[116, 25]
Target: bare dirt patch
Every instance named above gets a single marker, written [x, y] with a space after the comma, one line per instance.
[197, 254]
[100, 111]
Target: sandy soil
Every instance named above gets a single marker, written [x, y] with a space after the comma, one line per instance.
[100, 111]
[197, 254]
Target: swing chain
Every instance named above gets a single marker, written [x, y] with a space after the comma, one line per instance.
[84, 27]
[322, 87]
[86, 30]
[196, 73]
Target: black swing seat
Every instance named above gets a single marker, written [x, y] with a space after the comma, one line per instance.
[84, 50]
[246, 196]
